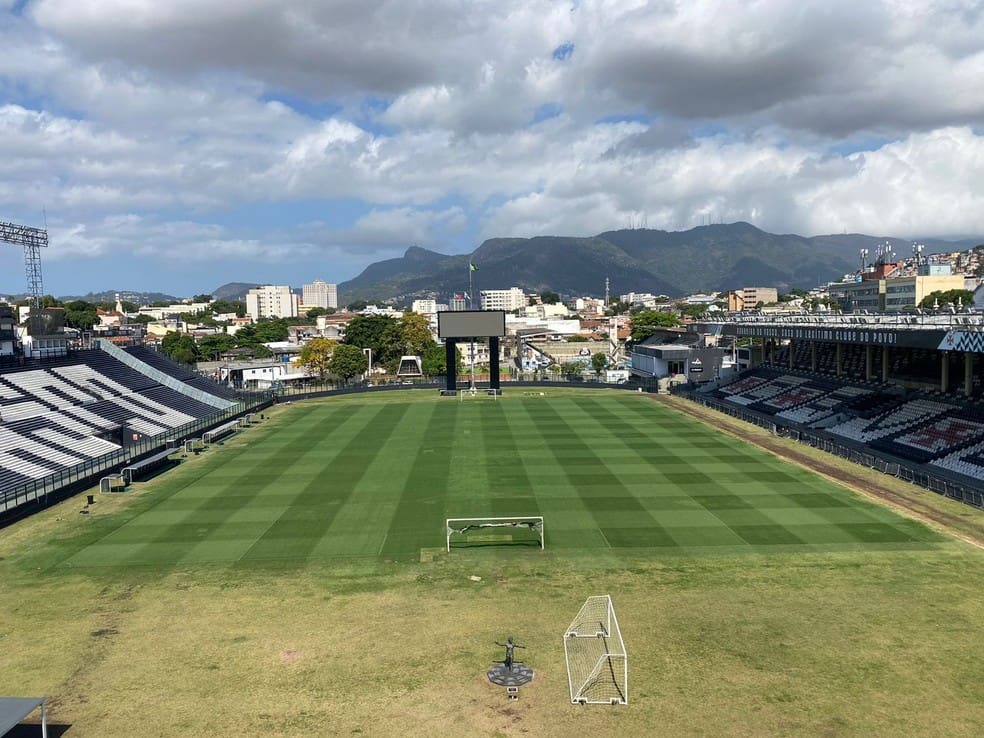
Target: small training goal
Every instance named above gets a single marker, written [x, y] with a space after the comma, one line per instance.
[477, 393]
[491, 531]
[597, 664]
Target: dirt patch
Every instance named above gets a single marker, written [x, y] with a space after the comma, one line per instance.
[860, 479]
[103, 632]
[290, 657]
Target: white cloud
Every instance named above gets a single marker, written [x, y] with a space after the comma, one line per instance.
[139, 123]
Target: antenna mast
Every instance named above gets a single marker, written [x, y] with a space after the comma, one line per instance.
[32, 239]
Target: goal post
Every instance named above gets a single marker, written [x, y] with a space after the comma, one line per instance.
[501, 527]
[597, 663]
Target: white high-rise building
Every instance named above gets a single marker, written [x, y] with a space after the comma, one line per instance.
[424, 307]
[319, 294]
[272, 301]
[512, 299]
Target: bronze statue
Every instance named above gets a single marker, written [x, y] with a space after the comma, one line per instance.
[509, 646]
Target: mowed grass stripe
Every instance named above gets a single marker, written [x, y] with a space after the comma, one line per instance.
[363, 521]
[511, 491]
[248, 511]
[419, 518]
[376, 477]
[214, 516]
[300, 527]
[617, 514]
[747, 521]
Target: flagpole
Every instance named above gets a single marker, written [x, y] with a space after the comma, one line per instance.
[471, 306]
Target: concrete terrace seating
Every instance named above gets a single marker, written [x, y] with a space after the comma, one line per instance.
[938, 437]
[823, 407]
[897, 419]
[56, 415]
[180, 372]
[969, 461]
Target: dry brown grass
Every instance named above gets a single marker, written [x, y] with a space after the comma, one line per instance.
[834, 644]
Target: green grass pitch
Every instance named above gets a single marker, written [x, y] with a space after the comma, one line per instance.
[376, 477]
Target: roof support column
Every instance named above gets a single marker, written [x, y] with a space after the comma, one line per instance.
[968, 373]
[840, 353]
[884, 363]
[813, 356]
[945, 372]
[792, 346]
[869, 352]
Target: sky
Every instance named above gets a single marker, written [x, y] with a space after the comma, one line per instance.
[176, 146]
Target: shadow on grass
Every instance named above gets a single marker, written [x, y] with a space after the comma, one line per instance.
[33, 730]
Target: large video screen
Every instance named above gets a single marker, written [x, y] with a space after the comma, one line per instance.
[469, 323]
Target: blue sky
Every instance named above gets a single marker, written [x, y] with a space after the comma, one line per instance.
[171, 151]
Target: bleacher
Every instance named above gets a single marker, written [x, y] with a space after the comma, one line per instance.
[923, 427]
[58, 414]
[180, 372]
[901, 417]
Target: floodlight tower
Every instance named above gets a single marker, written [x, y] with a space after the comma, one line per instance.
[917, 249]
[864, 258]
[32, 239]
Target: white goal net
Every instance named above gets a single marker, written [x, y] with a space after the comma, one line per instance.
[597, 664]
[487, 531]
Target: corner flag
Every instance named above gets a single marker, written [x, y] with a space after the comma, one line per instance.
[472, 267]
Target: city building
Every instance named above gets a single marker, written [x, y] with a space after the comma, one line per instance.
[748, 297]
[178, 308]
[319, 294]
[458, 302]
[875, 293]
[272, 301]
[424, 307]
[512, 299]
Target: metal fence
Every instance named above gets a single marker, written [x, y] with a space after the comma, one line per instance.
[966, 492]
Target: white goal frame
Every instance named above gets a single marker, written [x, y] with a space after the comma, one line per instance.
[463, 525]
[597, 663]
[477, 393]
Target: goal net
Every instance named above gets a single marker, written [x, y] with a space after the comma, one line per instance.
[491, 531]
[477, 393]
[597, 664]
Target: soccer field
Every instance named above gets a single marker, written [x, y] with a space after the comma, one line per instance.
[292, 581]
[373, 476]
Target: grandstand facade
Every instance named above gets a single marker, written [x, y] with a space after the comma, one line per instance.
[901, 394]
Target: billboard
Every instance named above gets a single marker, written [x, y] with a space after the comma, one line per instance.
[471, 323]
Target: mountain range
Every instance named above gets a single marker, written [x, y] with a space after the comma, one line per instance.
[675, 263]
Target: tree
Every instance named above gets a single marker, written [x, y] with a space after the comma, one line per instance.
[356, 306]
[646, 323]
[219, 307]
[547, 297]
[693, 311]
[943, 297]
[81, 314]
[210, 347]
[202, 298]
[180, 347]
[573, 368]
[577, 338]
[434, 362]
[369, 331]
[598, 362]
[347, 361]
[316, 356]
[315, 312]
